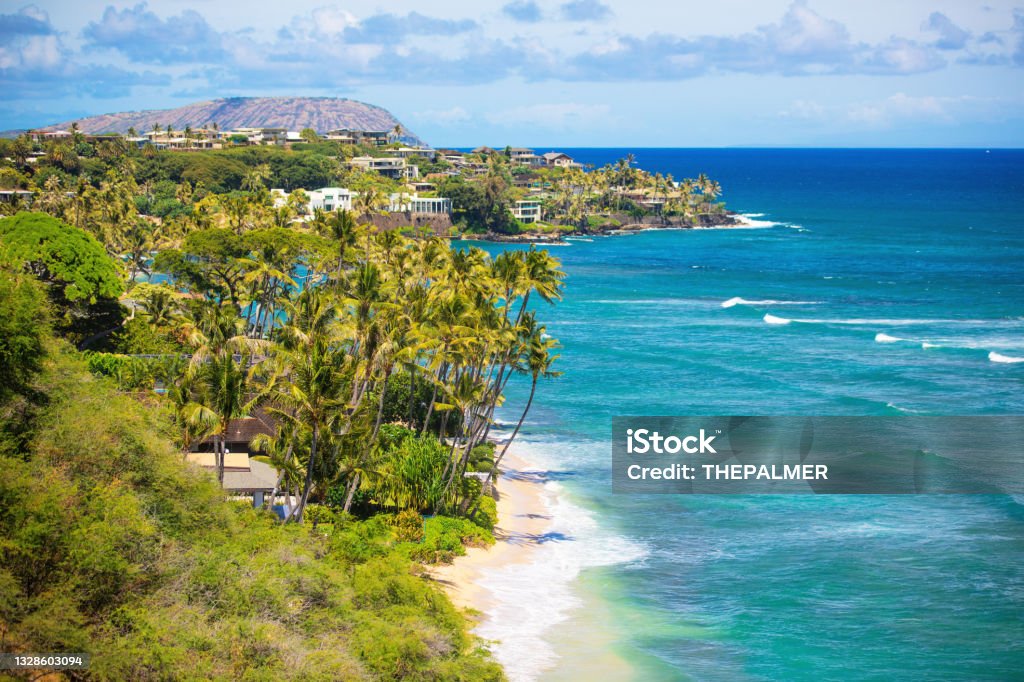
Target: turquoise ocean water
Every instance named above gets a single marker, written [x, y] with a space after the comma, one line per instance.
[879, 282]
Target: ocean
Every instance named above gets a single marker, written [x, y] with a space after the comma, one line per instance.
[875, 282]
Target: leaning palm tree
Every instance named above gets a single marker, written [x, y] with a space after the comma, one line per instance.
[537, 364]
[280, 454]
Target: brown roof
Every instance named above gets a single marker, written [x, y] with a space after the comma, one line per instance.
[245, 429]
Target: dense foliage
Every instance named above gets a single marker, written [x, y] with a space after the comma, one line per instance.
[378, 359]
[112, 545]
[59, 254]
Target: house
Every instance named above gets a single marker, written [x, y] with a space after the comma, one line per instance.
[527, 210]
[243, 476]
[331, 199]
[485, 151]
[558, 160]
[261, 135]
[389, 166]
[14, 196]
[452, 156]
[524, 157]
[421, 205]
[372, 138]
[411, 152]
[240, 432]
[41, 135]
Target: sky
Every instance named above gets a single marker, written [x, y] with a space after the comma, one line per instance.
[571, 73]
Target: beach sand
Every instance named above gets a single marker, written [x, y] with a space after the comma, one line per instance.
[523, 519]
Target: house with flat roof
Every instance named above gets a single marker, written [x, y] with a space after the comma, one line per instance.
[243, 475]
[331, 199]
[389, 166]
[373, 138]
[527, 210]
[413, 152]
[413, 203]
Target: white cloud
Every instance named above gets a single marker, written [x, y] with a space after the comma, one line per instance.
[443, 117]
[552, 116]
[897, 109]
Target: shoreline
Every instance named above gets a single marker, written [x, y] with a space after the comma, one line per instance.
[523, 519]
[727, 220]
[515, 592]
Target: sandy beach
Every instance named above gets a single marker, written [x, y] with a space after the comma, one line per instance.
[523, 518]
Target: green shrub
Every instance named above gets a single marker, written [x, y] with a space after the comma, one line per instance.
[317, 514]
[408, 526]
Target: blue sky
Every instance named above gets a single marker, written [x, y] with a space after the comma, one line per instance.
[524, 72]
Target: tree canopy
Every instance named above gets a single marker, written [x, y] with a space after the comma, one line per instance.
[61, 255]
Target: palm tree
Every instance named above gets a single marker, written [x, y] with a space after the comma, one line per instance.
[311, 394]
[341, 227]
[280, 454]
[256, 178]
[225, 393]
[160, 305]
[537, 364]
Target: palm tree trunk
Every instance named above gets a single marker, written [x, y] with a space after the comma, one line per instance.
[309, 473]
[380, 405]
[351, 492]
[218, 456]
[522, 417]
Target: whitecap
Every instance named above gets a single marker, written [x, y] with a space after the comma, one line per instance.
[748, 223]
[1004, 359]
[772, 319]
[736, 300]
[885, 338]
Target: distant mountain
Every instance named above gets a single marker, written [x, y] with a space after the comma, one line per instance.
[294, 113]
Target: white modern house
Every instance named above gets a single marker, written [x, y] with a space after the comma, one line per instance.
[331, 199]
[413, 203]
[527, 210]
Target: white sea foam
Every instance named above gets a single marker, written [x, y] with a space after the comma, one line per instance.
[736, 300]
[529, 599]
[885, 338]
[925, 345]
[1004, 359]
[772, 319]
[748, 222]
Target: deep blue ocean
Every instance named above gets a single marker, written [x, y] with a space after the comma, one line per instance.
[879, 282]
